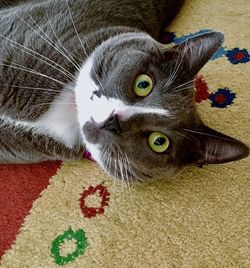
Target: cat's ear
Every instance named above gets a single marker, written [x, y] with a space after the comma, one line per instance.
[199, 49]
[212, 147]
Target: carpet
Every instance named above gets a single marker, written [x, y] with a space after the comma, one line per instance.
[71, 214]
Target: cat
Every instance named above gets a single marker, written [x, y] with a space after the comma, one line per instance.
[79, 75]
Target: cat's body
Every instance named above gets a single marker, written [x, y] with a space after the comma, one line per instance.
[55, 25]
[59, 89]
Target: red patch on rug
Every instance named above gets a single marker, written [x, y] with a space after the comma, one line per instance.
[20, 186]
[201, 89]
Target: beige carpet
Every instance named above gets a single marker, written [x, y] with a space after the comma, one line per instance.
[199, 219]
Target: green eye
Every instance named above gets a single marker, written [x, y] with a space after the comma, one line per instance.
[158, 142]
[143, 85]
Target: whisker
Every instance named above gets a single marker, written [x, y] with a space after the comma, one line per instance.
[42, 89]
[28, 70]
[171, 78]
[131, 171]
[107, 162]
[114, 177]
[73, 23]
[116, 174]
[109, 167]
[181, 89]
[179, 65]
[186, 135]
[57, 103]
[206, 134]
[176, 69]
[120, 171]
[51, 44]
[127, 177]
[71, 55]
[38, 56]
[186, 83]
[169, 81]
[80, 41]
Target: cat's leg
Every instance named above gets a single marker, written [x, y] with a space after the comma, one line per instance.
[24, 145]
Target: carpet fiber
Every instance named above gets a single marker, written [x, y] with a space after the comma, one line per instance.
[81, 218]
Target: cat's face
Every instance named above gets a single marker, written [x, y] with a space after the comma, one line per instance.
[136, 107]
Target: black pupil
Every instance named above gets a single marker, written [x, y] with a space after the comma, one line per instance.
[159, 141]
[143, 84]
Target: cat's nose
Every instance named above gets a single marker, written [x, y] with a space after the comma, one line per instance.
[112, 123]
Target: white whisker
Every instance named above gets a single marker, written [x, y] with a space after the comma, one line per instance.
[176, 69]
[57, 103]
[127, 176]
[83, 47]
[28, 70]
[42, 89]
[38, 56]
[186, 83]
[32, 28]
[206, 134]
[71, 55]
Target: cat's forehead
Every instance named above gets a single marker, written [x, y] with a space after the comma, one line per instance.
[130, 50]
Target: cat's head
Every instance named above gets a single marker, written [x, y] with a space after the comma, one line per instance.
[136, 108]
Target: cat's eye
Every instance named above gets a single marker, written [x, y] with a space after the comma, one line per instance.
[158, 142]
[143, 85]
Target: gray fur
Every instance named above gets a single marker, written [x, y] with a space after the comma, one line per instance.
[115, 64]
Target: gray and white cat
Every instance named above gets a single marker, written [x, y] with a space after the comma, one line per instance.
[90, 74]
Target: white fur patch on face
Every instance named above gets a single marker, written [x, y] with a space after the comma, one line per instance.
[84, 89]
[127, 111]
